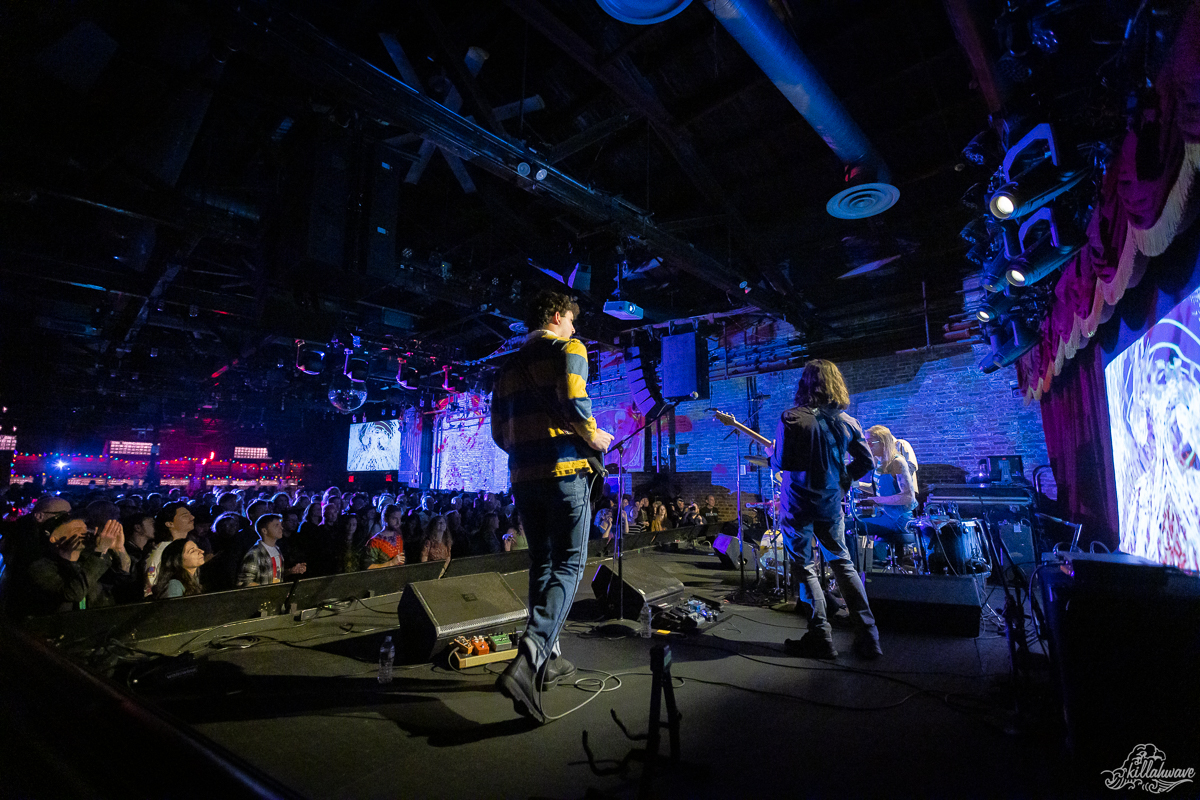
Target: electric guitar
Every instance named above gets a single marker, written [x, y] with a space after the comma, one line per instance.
[731, 421]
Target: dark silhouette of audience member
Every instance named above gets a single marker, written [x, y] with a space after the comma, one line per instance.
[68, 576]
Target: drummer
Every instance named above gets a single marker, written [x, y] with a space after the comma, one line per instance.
[895, 495]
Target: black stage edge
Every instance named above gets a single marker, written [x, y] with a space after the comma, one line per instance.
[299, 701]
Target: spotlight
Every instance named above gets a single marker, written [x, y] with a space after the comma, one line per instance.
[975, 231]
[1045, 179]
[982, 148]
[408, 377]
[1009, 343]
[540, 174]
[523, 169]
[995, 305]
[309, 358]
[1049, 251]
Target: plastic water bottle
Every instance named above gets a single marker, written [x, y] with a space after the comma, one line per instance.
[387, 656]
[644, 621]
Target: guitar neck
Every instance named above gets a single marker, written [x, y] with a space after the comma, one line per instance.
[755, 435]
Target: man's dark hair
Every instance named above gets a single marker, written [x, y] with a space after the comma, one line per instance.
[265, 520]
[166, 514]
[821, 385]
[545, 305]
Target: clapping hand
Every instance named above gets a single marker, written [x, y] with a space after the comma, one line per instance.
[110, 537]
[297, 569]
[397, 560]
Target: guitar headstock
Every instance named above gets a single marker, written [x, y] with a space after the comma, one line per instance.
[723, 418]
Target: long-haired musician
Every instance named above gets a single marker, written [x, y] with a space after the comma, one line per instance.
[811, 444]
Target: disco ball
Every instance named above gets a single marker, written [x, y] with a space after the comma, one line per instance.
[347, 398]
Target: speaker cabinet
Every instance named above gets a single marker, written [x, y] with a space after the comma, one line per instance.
[643, 383]
[947, 604]
[685, 366]
[432, 613]
[644, 582]
[726, 548]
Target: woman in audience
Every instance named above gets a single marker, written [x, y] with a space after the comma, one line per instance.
[437, 540]
[658, 517]
[178, 570]
[349, 553]
[603, 524]
[514, 538]
[386, 548]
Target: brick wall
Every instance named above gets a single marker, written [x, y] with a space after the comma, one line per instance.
[949, 411]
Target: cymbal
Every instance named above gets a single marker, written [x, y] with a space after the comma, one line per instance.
[761, 461]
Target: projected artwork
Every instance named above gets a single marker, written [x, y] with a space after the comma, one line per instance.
[375, 446]
[1154, 409]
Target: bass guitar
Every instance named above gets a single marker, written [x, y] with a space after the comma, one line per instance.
[731, 421]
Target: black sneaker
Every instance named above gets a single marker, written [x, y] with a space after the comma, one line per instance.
[517, 684]
[867, 646]
[557, 669]
[810, 645]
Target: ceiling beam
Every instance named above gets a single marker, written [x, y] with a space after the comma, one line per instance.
[622, 76]
[592, 135]
[296, 45]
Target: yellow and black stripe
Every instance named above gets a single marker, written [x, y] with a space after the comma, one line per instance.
[522, 425]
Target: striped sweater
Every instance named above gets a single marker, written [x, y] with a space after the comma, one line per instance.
[537, 445]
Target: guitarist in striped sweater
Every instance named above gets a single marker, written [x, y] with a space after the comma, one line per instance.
[542, 417]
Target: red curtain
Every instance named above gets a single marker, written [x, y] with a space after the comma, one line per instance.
[1075, 419]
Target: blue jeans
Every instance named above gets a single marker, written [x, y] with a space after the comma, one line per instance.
[556, 513]
[798, 538]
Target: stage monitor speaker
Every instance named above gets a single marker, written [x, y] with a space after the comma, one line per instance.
[947, 604]
[432, 613]
[643, 383]
[726, 548]
[644, 582]
[685, 366]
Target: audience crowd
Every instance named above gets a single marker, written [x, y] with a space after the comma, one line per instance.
[88, 548]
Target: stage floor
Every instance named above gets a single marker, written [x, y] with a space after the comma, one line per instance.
[931, 718]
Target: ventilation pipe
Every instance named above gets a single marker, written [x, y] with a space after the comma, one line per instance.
[764, 38]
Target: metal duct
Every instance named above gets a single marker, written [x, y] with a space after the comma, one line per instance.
[764, 38]
[756, 28]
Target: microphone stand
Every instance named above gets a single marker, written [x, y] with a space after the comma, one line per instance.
[620, 524]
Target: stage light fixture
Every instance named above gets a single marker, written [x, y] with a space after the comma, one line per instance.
[1044, 179]
[975, 231]
[1009, 342]
[310, 359]
[995, 305]
[1055, 245]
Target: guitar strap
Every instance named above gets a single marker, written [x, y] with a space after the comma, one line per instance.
[599, 473]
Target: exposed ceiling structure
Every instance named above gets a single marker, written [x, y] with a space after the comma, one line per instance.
[193, 189]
